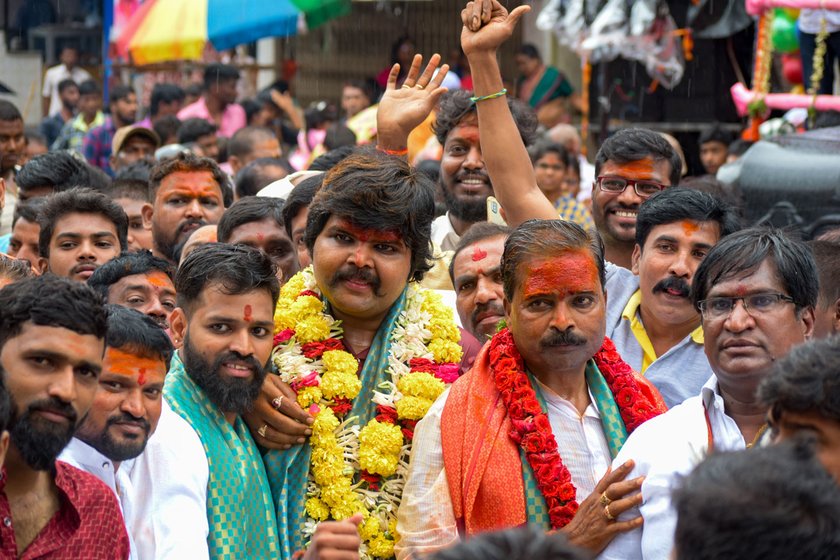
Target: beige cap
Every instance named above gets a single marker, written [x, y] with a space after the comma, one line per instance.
[126, 132]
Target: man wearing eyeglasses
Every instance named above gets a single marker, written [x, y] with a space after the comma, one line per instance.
[650, 316]
[631, 165]
[756, 291]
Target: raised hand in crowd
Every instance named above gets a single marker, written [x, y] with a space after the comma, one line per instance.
[404, 108]
[486, 25]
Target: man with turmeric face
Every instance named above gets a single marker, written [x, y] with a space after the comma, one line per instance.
[632, 165]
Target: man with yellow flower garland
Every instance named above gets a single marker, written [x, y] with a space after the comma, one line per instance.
[528, 434]
[360, 348]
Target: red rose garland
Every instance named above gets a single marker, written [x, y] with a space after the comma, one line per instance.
[532, 430]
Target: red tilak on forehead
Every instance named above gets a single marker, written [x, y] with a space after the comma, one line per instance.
[368, 234]
[141, 376]
[478, 254]
[570, 272]
[247, 316]
[689, 228]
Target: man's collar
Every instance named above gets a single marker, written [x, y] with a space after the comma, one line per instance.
[631, 313]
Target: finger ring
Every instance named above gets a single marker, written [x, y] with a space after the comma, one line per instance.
[609, 516]
[262, 430]
[277, 402]
[605, 501]
[405, 86]
[418, 86]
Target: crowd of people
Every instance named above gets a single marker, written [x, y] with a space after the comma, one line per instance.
[233, 330]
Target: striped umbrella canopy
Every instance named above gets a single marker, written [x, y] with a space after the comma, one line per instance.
[163, 30]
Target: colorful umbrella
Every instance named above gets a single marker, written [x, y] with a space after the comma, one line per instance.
[179, 29]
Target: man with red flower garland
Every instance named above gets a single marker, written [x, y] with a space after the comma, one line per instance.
[528, 434]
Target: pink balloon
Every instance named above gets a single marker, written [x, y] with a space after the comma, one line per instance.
[743, 96]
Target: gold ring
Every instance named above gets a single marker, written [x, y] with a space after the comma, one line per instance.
[610, 517]
[405, 86]
[605, 501]
[277, 402]
[262, 430]
[418, 86]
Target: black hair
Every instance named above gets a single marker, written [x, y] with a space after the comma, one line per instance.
[5, 407]
[252, 107]
[164, 93]
[14, 269]
[479, 231]
[327, 161]
[530, 51]
[166, 127]
[83, 201]
[739, 147]
[140, 170]
[127, 264]
[29, 210]
[455, 106]
[217, 72]
[193, 129]
[251, 179]
[58, 170]
[51, 301]
[119, 93]
[520, 543]
[541, 148]
[369, 87]
[194, 89]
[189, 162]
[32, 134]
[634, 144]
[743, 252]
[66, 84]
[247, 210]
[765, 503]
[89, 87]
[339, 136]
[234, 269]
[138, 333]
[544, 238]
[242, 142]
[131, 189]
[382, 192]
[715, 134]
[8, 112]
[395, 48]
[680, 203]
[806, 379]
[827, 257]
[300, 197]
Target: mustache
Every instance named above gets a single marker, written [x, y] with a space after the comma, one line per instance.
[562, 338]
[353, 272]
[477, 174]
[56, 406]
[126, 418]
[255, 366]
[673, 283]
[187, 223]
[490, 306]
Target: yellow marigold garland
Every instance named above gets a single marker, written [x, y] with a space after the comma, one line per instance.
[361, 469]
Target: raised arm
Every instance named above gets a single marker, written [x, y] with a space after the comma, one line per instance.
[402, 109]
[487, 24]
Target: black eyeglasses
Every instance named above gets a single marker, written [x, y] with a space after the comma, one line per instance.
[616, 185]
[755, 305]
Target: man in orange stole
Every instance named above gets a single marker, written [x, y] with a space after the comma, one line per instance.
[528, 434]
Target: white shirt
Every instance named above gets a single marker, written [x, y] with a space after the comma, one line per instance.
[664, 449]
[84, 457]
[442, 230]
[426, 520]
[170, 483]
[53, 77]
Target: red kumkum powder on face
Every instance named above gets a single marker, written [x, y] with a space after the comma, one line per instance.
[567, 273]
[369, 234]
[690, 228]
[478, 254]
[123, 363]
[247, 316]
[639, 169]
[159, 280]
